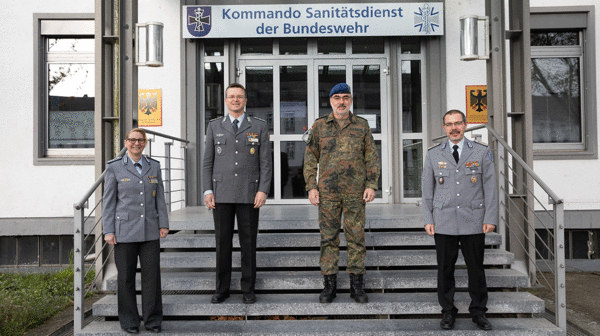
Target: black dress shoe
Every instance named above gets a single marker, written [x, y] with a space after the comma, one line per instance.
[448, 320]
[482, 323]
[154, 329]
[249, 297]
[132, 330]
[219, 297]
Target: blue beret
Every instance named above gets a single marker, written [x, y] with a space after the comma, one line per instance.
[340, 88]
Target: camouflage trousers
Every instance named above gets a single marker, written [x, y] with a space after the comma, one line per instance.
[331, 208]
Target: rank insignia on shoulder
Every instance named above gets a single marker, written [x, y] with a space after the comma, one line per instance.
[435, 145]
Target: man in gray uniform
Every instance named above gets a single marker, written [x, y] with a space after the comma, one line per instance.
[236, 177]
[460, 205]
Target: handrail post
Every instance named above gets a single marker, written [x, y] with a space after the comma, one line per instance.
[502, 192]
[168, 174]
[559, 265]
[78, 270]
[184, 193]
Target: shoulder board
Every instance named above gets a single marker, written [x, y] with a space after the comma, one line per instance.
[481, 143]
[322, 117]
[215, 119]
[149, 158]
[437, 144]
[359, 117]
[259, 119]
[118, 158]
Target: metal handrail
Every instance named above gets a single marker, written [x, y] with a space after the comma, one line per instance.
[170, 137]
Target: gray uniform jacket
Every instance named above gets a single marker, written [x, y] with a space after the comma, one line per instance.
[237, 165]
[459, 198]
[133, 207]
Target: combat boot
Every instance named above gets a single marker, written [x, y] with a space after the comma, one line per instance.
[330, 286]
[356, 288]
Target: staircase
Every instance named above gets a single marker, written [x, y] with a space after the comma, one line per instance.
[400, 282]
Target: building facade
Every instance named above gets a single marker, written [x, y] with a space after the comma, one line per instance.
[288, 56]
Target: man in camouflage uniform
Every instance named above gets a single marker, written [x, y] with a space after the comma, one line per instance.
[342, 147]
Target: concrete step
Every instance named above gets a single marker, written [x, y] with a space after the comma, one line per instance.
[308, 305]
[303, 217]
[383, 327]
[311, 258]
[312, 239]
[313, 280]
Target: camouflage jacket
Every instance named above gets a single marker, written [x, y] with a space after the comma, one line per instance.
[347, 157]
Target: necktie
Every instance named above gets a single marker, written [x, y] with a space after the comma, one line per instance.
[455, 153]
[235, 125]
[138, 166]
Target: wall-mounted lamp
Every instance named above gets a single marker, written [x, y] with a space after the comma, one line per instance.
[154, 44]
[469, 38]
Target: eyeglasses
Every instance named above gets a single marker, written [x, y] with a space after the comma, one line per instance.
[458, 123]
[235, 97]
[344, 98]
[133, 140]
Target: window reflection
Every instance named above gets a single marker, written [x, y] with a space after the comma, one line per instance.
[70, 105]
[412, 158]
[556, 100]
[213, 93]
[292, 165]
[329, 75]
[259, 89]
[293, 99]
[70, 45]
[411, 97]
[367, 94]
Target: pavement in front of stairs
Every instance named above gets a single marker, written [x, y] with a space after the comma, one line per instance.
[583, 298]
[583, 305]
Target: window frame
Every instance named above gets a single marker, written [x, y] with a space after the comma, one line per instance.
[52, 25]
[580, 18]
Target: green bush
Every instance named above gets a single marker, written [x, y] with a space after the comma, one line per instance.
[28, 300]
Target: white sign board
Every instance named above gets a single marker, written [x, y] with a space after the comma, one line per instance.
[313, 20]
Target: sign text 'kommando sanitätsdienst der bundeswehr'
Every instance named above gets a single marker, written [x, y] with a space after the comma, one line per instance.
[313, 20]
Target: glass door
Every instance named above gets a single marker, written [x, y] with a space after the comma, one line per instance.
[279, 92]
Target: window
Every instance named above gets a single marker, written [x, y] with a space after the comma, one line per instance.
[64, 89]
[563, 83]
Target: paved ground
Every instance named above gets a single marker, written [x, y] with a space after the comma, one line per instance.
[583, 299]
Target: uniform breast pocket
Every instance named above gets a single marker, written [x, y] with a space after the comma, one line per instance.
[252, 145]
[473, 176]
[353, 145]
[442, 177]
[220, 146]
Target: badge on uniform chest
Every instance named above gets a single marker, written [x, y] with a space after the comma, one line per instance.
[252, 150]
[154, 193]
[473, 179]
[441, 180]
[219, 150]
